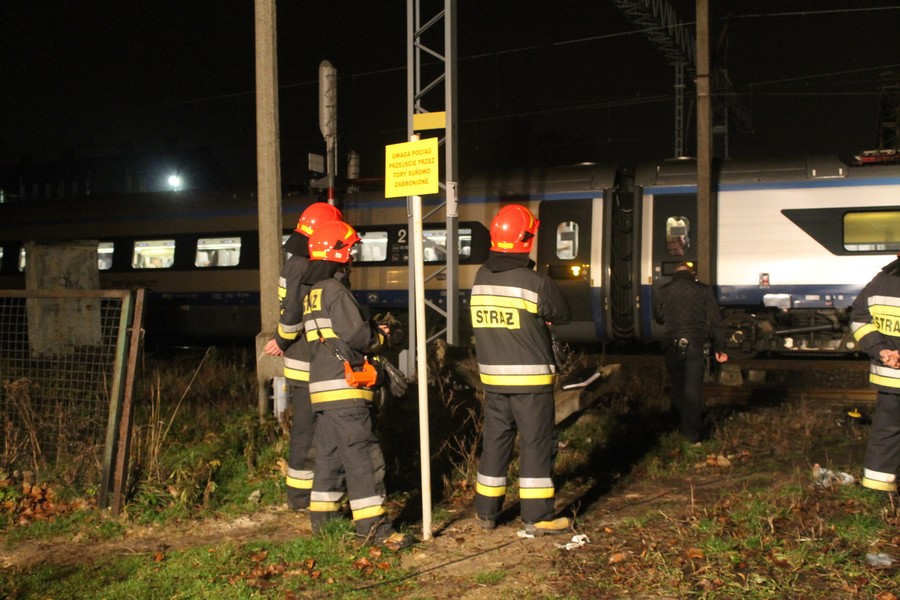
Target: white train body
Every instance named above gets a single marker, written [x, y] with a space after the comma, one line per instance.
[792, 243]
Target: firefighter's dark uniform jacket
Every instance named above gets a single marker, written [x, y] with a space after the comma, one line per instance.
[290, 339]
[334, 326]
[690, 311]
[347, 450]
[511, 305]
[291, 291]
[875, 323]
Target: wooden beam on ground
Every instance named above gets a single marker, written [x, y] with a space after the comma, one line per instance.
[572, 401]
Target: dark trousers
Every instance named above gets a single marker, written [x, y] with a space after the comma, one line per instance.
[302, 457]
[685, 368]
[883, 450]
[346, 447]
[533, 416]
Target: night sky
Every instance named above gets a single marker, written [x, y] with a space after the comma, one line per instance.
[540, 83]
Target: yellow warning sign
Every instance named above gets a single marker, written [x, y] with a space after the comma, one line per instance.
[411, 168]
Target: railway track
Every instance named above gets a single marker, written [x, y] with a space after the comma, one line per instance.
[839, 399]
[834, 383]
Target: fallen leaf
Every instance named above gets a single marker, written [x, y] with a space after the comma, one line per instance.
[695, 554]
[363, 565]
[617, 558]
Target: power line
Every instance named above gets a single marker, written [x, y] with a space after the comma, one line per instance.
[823, 75]
[806, 13]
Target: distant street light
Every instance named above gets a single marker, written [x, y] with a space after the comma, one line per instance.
[175, 182]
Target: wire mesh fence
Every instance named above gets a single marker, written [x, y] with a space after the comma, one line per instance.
[61, 381]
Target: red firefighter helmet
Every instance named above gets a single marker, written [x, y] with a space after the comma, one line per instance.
[332, 241]
[513, 229]
[315, 215]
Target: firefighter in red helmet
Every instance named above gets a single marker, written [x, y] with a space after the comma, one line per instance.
[346, 447]
[512, 309]
[290, 343]
[875, 324]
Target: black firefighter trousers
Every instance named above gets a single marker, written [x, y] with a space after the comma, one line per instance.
[534, 416]
[882, 459]
[302, 457]
[346, 446]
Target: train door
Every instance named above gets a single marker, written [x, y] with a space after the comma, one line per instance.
[564, 252]
[621, 249]
[673, 240]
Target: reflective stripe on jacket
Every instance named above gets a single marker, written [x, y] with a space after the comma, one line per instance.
[510, 307]
[334, 323]
[289, 335]
[875, 324]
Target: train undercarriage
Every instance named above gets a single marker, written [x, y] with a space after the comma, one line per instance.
[792, 332]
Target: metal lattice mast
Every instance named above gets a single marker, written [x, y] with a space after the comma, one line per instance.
[675, 40]
[889, 113]
[431, 57]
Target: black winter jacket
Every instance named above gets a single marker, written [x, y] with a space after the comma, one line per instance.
[688, 309]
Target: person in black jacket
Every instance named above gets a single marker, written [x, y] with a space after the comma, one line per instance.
[875, 323]
[693, 325]
[347, 450]
[511, 307]
[289, 343]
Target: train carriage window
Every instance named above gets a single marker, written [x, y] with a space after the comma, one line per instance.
[872, 231]
[678, 240]
[567, 240]
[465, 243]
[218, 252]
[372, 247]
[104, 255]
[435, 244]
[153, 254]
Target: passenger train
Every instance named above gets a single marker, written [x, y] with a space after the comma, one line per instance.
[793, 243]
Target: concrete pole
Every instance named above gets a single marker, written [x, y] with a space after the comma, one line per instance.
[705, 269]
[268, 170]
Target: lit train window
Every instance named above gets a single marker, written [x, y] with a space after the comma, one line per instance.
[1, 257]
[465, 243]
[567, 240]
[678, 240]
[153, 254]
[372, 247]
[104, 255]
[435, 241]
[21, 259]
[874, 231]
[218, 252]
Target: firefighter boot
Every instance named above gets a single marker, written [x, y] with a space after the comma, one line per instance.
[555, 527]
